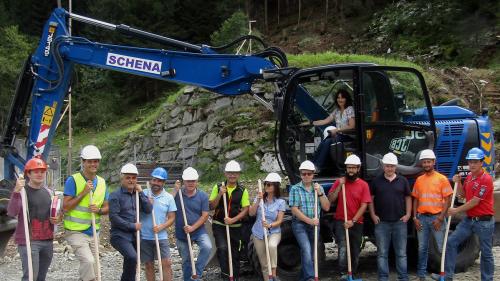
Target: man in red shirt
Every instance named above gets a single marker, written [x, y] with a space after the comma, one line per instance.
[478, 191]
[358, 196]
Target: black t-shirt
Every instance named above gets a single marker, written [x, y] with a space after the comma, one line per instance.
[389, 197]
[39, 203]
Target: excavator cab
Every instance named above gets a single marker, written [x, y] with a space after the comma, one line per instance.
[392, 113]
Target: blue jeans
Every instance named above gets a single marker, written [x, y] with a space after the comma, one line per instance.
[304, 233]
[322, 155]
[355, 239]
[129, 252]
[423, 240]
[205, 245]
[41, 257]
[397, 232]
[484, 230]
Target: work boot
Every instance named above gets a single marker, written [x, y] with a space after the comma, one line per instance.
[437, 277]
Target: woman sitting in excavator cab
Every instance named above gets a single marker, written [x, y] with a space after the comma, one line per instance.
[343, 115]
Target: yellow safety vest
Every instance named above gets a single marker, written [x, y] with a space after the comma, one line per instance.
[80, 217]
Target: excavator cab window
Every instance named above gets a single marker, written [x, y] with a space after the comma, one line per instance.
[393, 102]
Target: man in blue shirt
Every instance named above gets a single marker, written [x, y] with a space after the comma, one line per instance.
[164, 209]
[122, 215]
[78, 208]
[196, 209]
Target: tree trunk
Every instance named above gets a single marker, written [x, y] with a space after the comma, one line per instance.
[278, 14]
[300, 9]
[265, 16]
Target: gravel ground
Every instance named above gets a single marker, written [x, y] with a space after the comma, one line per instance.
[64, 266]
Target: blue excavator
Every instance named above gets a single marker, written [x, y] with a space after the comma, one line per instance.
[393, 110]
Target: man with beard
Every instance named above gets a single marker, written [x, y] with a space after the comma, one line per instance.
[358, 197]
[237, 205]
[77, 209]
[303, 222]
[196, 209]
[164, 208]
[431, 193]
[122, 215]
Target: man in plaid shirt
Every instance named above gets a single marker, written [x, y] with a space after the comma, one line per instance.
[302, 205]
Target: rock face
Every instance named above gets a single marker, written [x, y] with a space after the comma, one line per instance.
[201, 129]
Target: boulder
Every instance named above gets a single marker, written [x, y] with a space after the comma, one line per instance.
[168, 155]
[172, 136]
[233, 153]
[220, 104]
[211, 141]
[269, 163]
[245, 134]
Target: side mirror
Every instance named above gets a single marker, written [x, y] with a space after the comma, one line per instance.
[484, 111]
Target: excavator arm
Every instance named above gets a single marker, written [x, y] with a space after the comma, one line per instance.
[47, 74]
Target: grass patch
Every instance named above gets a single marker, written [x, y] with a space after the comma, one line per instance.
[311, 60]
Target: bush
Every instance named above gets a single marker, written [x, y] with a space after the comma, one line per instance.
[233, 28]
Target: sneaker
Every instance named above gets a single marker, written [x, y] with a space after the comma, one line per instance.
[344, 277]
[435, 276]
[275, 278]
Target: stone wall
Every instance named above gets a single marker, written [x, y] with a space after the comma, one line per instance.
[204, 130]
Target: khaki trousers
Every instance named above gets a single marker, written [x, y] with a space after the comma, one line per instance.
[260, 247]
[83, 248]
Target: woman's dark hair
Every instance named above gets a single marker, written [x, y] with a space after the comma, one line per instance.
[277, 192]
[345, 94]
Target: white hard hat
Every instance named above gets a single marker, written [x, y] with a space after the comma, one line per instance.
[327, 130]
[307, 165]
[232, 166]
[390, 159]
[352, 160]
[273, 177]
[129, 168]
[427, 154]
[90, 152]
[190, 174]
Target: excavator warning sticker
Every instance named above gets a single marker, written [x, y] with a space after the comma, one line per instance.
[48, 114]
[50, 38]
[134, 63]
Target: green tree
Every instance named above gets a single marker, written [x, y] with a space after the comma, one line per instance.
[14, 50]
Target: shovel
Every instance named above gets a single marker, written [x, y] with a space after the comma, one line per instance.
[24, 203]
[158, 253]
[190, 247]
[349, 267]
[138, 238]
[96, 241]
[443, 254]
[266, 241]
[316, 277]
[228, 238]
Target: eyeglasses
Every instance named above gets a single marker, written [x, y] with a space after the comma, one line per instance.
[306, 174]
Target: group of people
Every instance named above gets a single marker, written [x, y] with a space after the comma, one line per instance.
[391, 203]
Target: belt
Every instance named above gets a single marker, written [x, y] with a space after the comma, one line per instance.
[428, 214]
[481, 218]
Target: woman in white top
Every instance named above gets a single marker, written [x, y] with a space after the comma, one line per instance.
[343, 115]
[274, 211]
